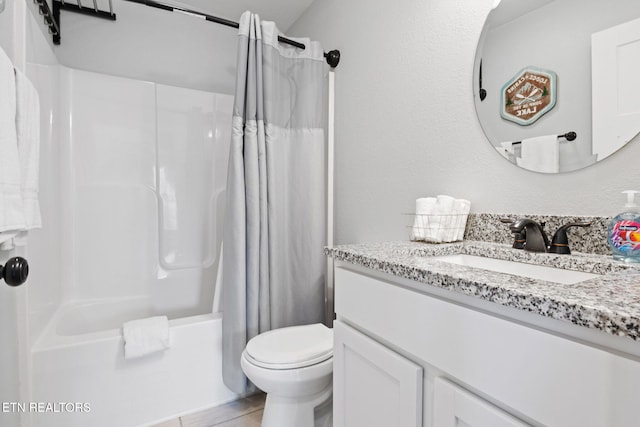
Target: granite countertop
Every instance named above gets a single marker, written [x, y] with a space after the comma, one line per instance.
[610, 302]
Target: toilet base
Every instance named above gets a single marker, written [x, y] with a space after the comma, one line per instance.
[280, 411]
[324, 414]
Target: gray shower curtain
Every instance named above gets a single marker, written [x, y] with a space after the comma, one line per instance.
[273, 267]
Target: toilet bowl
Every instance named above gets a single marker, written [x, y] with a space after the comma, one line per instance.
[294, 367]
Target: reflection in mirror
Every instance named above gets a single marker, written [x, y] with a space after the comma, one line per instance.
[541, 65]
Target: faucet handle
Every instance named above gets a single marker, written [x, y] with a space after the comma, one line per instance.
[560, 241]
[519, 237]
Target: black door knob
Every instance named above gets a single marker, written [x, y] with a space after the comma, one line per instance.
[15, 271]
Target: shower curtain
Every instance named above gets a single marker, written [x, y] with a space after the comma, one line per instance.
[273, 266]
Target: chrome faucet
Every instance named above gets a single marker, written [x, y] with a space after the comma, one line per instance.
[536, 239]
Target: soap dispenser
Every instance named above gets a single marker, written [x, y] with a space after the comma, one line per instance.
[624, 231]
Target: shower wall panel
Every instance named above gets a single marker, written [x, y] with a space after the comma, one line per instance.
[148, 180]
[113, 148]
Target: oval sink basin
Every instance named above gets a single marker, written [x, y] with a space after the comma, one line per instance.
[532, 271]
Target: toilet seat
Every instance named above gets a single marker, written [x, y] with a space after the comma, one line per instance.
[291, 348]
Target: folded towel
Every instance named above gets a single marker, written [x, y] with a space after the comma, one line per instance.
[421, 224]
[461, 208]
[540, 154]
[11, 205]
[145, 336]
[441, 220]
[28, 133]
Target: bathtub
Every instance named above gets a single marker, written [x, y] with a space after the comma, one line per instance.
[79, 360]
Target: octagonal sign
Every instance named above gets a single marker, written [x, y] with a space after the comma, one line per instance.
[528, 96]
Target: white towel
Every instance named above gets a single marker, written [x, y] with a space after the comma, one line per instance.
[28, 132]
[461, 208]
[11, 205]
[441, 220]
[421, 223]
[145, 336]
[540, 154]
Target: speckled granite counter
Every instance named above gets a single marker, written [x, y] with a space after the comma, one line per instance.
[610, 303]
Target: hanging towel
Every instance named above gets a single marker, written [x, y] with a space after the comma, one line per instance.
[11, 205]
[28, 133]
[145, 336]
[540, 154]
[421, 223]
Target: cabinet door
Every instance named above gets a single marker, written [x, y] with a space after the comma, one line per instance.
[454, 406]
[372, 385]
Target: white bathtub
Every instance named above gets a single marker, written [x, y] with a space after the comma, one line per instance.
[80, 359]
[142, 181]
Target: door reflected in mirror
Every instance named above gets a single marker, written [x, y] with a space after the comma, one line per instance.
[548, 68]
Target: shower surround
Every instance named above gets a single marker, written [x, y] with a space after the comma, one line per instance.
[142, 189]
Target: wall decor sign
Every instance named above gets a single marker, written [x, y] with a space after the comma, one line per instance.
[528, 95]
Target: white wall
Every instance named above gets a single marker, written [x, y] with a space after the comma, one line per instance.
[150, 44]
[145, 43]
[406, 125]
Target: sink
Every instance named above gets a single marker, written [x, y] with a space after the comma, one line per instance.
[532, 271]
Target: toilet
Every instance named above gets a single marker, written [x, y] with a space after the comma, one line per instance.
[294, 367]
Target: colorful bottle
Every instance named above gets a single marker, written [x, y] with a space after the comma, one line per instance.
[624, 231]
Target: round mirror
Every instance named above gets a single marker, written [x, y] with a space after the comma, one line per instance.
[556, 83]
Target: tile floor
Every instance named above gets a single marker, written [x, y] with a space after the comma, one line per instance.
[245, 412]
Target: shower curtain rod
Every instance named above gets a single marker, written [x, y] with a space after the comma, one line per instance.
[332, 57]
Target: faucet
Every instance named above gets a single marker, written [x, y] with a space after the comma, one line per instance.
[519, 238]
[536, 239]
[560, 242]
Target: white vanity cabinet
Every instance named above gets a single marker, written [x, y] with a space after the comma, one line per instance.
[454, 406]
[373, 386]
[407, 355]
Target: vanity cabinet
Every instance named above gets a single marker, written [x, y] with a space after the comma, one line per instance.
[454, 406]
[477, 368]
[373, 386]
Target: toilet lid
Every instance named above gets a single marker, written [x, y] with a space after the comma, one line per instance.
[292, 347]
